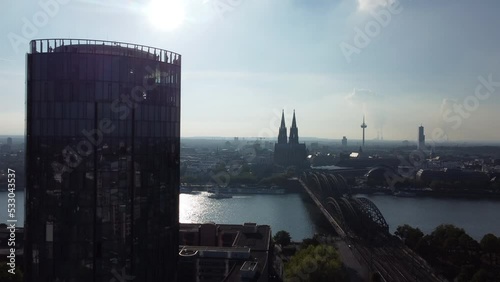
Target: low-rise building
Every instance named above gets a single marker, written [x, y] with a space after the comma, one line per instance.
[224, 252]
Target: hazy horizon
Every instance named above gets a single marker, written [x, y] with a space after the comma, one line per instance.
[309, 139]
[401, 63]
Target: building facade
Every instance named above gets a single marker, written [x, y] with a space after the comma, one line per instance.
[291, 152]
[212, 252]
[102, 161]
[421, 138]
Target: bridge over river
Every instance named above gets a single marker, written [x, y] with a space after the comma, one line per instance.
[359, 224]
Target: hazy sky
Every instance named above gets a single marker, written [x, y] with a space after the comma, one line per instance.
[417, 62]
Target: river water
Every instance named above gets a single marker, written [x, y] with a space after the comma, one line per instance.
[290, 212]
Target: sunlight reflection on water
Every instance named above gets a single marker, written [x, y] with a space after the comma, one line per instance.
[281, 212]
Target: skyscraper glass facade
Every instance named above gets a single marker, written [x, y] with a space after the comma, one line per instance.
[102, 143]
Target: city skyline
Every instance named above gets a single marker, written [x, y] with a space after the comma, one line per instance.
[421, 63]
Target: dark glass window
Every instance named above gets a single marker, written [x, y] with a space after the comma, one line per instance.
[73, 110]
[151, 112]
[66, 65]
[90, 110]
[81, 125]
[107, 68]
[35, 90]
[36, 67]
[49, 88]
[36, 111]
[89, 91]
[59, 127]
[82, 67]
[66, 111]
[66, 128]
[82, 92]
[115, 68]
[91, 65]
[115, 91]
[82, 110]
[66, 91]
[74, 91]
[58, 110]
[99, 70]
[177, 130]
[43, 67]
[99, 95]
[50, 127]
[74, 66]
[107, 91]
[36, 127]
[43, 110]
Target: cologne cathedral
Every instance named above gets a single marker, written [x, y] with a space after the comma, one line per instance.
[289, 152]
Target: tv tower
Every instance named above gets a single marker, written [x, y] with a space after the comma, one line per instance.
[363, 125]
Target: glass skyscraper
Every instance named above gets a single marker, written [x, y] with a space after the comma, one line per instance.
[102, 160]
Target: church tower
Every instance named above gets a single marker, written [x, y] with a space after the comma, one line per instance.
[289, 152]
[282, 131]
[294, 131]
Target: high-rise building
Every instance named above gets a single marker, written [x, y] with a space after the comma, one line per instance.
[421, 138]
[291, 153]
[344, 142]
[102, 160]
[9, 141]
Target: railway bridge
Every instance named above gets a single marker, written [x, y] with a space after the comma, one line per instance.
[332, 195]
[360, 224]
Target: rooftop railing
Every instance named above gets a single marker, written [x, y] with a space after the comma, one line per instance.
[103, 47]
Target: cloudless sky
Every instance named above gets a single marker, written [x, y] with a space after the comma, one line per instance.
[246, 60]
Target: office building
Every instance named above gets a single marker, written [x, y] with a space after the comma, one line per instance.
[421, 138]
[102, 161]
[344, 142]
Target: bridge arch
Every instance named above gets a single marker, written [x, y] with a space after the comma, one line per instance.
[370, 210]
[334, 207]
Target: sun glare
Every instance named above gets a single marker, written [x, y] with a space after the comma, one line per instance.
[165, 14]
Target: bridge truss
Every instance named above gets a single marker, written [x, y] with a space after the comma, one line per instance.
[359, 214]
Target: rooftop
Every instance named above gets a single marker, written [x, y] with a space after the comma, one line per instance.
[90, 46]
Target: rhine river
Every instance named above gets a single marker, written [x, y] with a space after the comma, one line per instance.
[289, 212]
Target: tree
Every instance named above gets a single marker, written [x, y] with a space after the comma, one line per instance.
[480, 276]
[282, 237]
[411, 236]
[309, 241]
[315, 263]
[489, 244]
[5, 276]
[450, 248]
[466, 273]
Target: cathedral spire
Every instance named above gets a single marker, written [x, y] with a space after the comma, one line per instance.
[282, 118]
[294, 122]
[282, 132]
[294, 131]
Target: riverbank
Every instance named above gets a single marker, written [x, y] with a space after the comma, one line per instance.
[427, 192]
